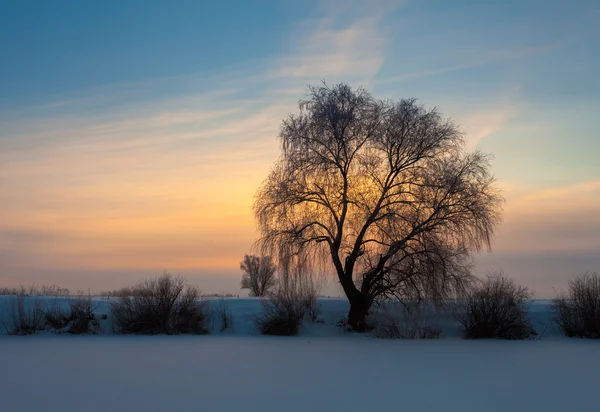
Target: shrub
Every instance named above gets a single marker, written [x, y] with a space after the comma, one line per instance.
[293, 300]
[497, 308]
[79, 320]
[282, 313]
[56, 318]
[164, 305]
[398, 321]
[82, 319]
[578, 312]
[25, 315]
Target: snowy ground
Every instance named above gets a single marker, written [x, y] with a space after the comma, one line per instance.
[229, 373]
[244, 311]
[323, 369]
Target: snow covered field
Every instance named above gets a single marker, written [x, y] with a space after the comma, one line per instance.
[323, 369]
[244, 310]
[232, 373]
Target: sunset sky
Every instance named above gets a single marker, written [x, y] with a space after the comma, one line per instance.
[134, 134]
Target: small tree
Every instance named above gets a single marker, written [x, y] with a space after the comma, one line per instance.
[259, 274]
[383, 192]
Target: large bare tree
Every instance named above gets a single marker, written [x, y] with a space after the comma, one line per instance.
[258, 274]
[383, 191]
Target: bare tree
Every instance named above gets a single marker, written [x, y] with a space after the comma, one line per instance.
[381, 190]
[259, 274]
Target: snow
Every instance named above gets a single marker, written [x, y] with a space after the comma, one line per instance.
[244, 311]
[323, 369]
[232, 373]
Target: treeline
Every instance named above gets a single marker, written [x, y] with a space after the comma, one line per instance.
[36, 290]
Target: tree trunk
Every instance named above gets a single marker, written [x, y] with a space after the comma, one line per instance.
[357, 317]
[360, 301]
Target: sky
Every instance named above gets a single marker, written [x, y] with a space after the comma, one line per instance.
[134, 134]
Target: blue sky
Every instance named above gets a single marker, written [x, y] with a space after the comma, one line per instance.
[70, 46]
[134, 133]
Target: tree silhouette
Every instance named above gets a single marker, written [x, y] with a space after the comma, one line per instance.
[259, 274]
[381, 190]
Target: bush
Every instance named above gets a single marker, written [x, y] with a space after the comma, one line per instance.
[165, 305]
[282, 313]
[292, 301]
[80, 320]
[25, 315]
[56, 318]
[578, 313]
[398, 321]
[82, 317]
[497, 308]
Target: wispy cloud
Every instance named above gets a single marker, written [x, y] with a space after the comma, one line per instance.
[495, 56]
[556, 219]
[547, 235]
[346, 43]
[161, 172]
[355, 50]
[115, 180]
[480, 124]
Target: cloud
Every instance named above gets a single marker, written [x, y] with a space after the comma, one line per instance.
[158, 173]
[495, 56]
[161, 173]
[556, 219]
[547, 235]
[480, 124]
[348, 43]
[545, 273]
[355, 51]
